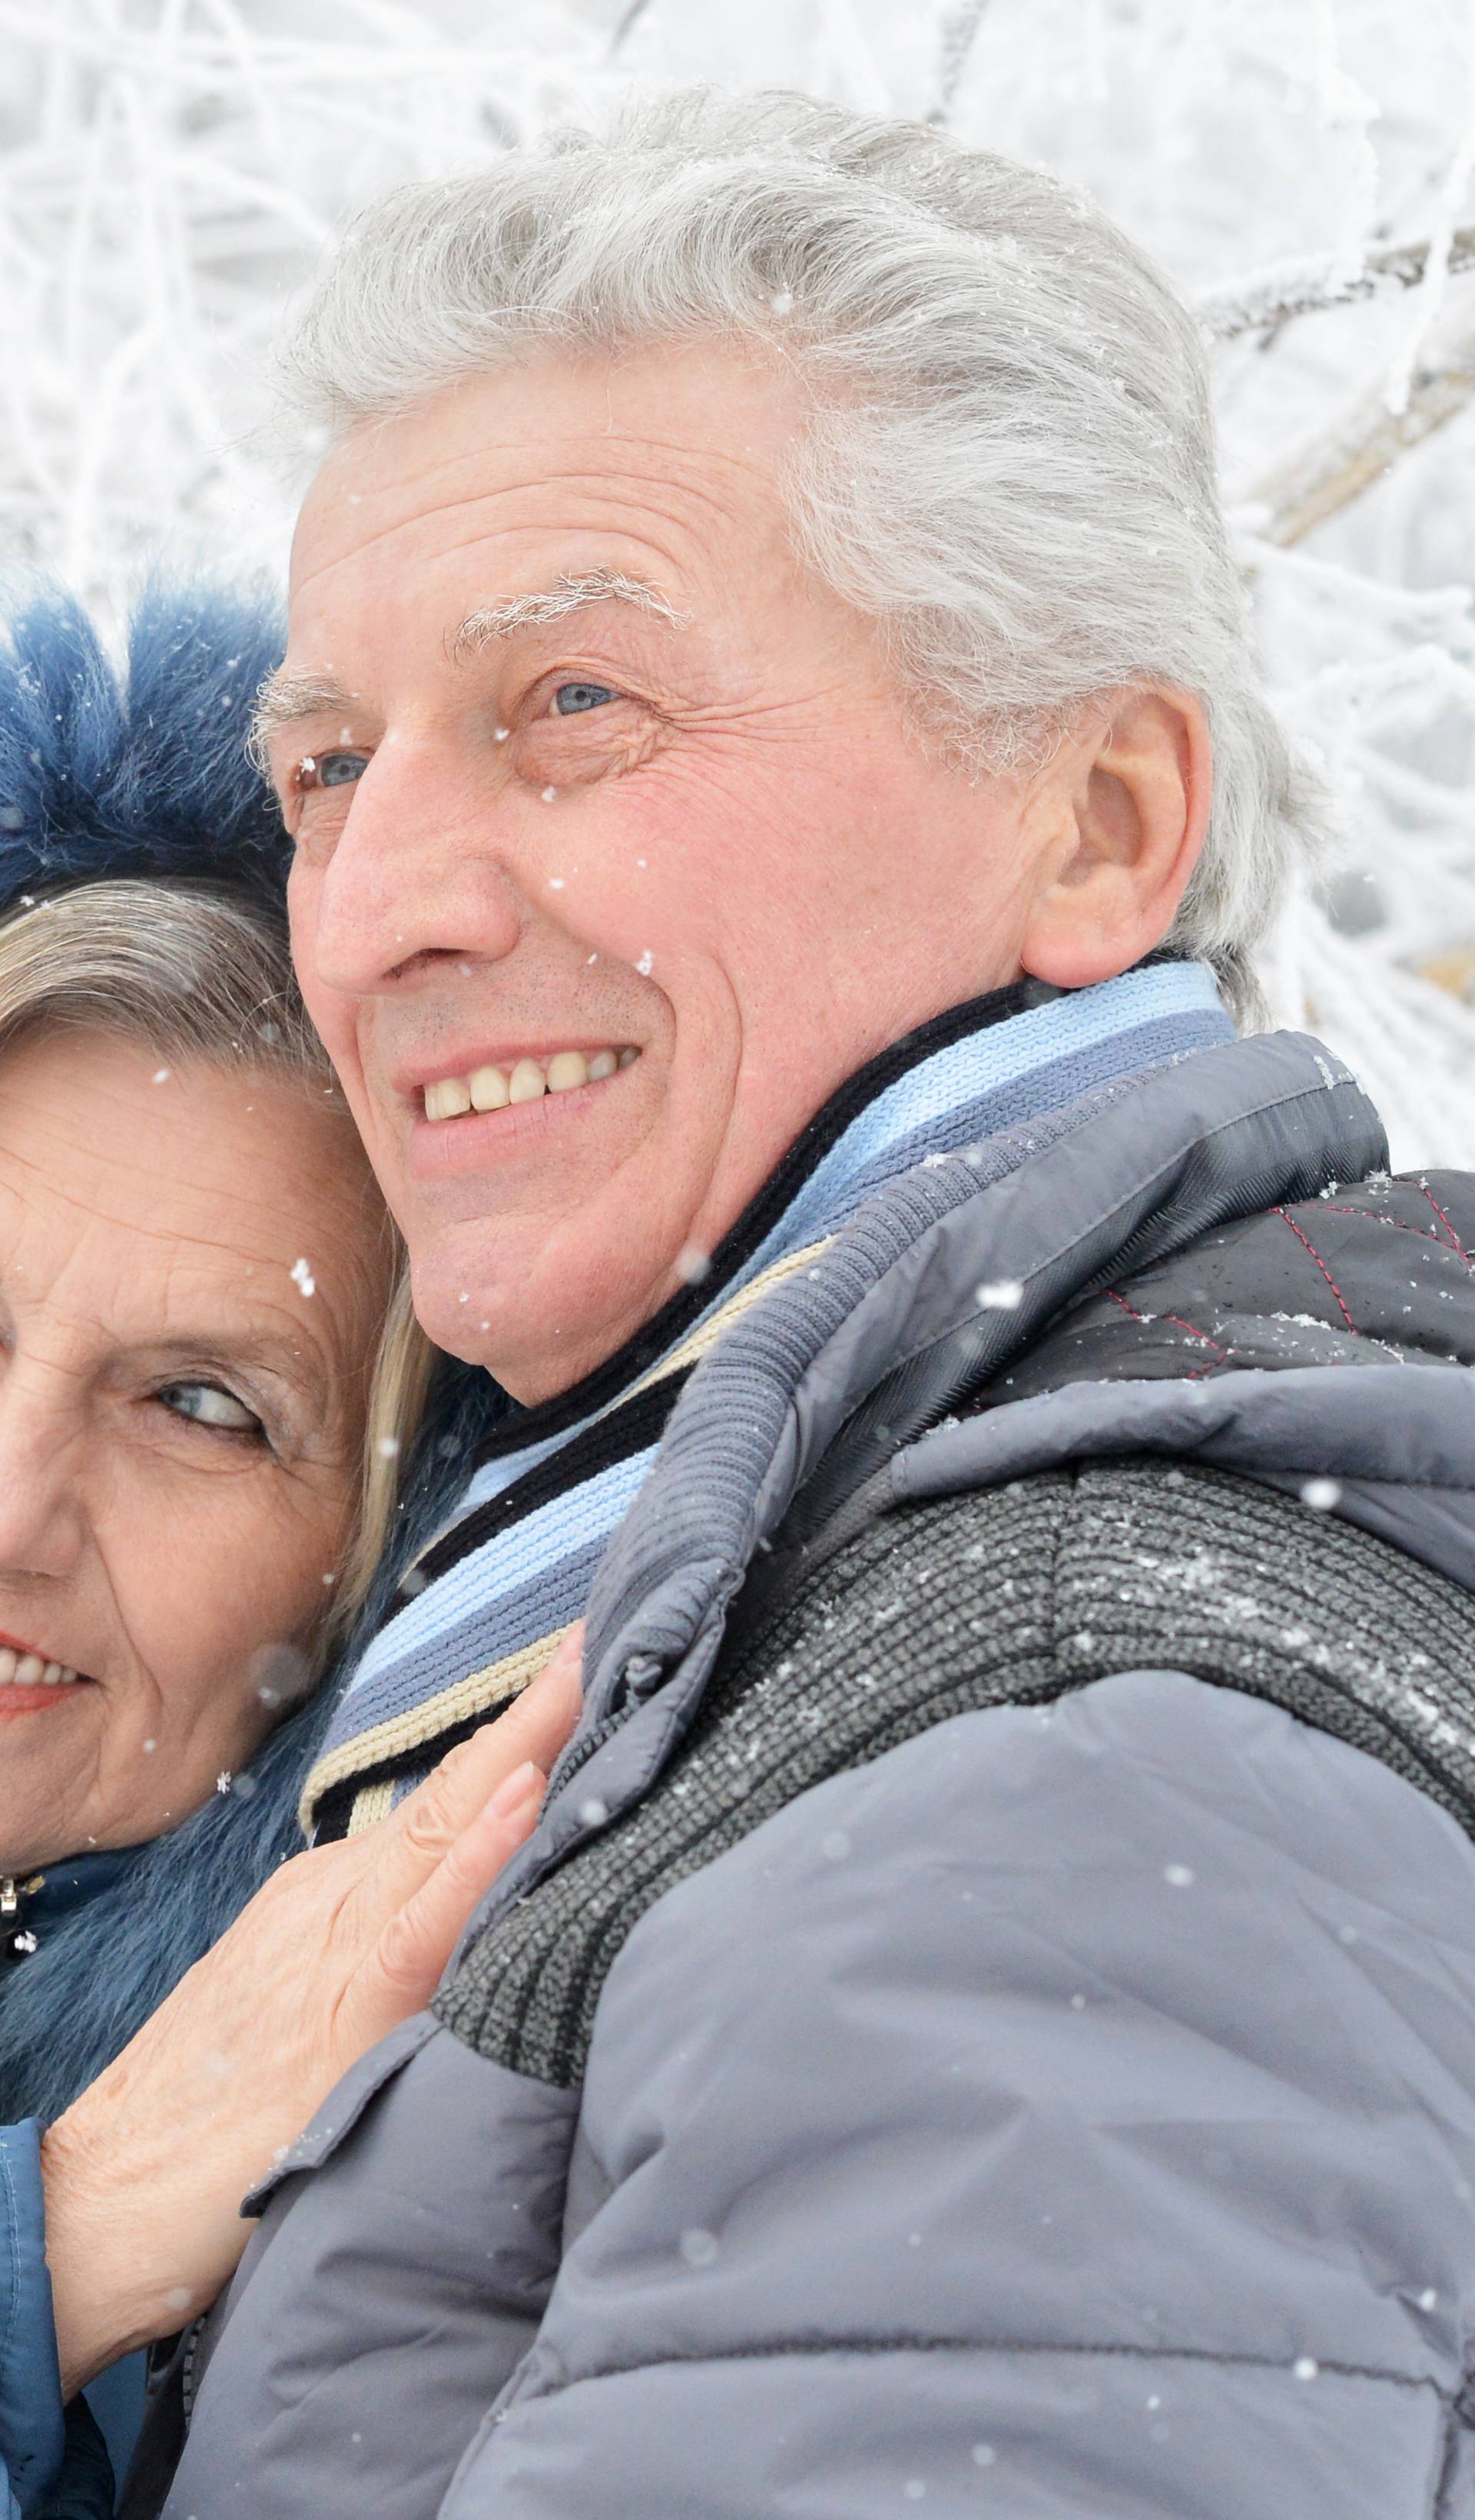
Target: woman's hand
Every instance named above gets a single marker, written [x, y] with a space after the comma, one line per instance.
[145, 2172]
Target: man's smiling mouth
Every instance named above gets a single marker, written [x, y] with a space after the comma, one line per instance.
[526, 1080]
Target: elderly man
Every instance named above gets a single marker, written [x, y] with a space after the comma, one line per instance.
[781, 804]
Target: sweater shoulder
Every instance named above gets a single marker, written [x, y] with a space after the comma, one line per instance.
[1008, 1597]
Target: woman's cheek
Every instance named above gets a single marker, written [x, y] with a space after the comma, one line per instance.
[224, 1607]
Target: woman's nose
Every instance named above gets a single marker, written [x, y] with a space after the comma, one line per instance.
[42, 1453]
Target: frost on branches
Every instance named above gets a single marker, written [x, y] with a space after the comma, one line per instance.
[172, 167]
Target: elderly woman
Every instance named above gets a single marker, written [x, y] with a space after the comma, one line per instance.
[202, 1407]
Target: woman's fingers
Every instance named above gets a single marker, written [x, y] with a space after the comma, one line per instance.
[146, 2170]
[539, 1722]
[402, 1852]
[457, 1831]
[403, 1970]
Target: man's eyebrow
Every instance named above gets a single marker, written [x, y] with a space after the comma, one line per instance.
[567, 594]
[285, 700]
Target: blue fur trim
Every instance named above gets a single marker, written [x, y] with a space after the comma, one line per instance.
[141, 771]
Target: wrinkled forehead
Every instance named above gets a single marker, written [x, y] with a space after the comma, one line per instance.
[666, 464]
[134, 1191]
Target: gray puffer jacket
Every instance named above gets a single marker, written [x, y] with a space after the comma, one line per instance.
[987, 2021]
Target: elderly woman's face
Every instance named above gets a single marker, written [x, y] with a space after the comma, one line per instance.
[190, 1279]
[581, 765]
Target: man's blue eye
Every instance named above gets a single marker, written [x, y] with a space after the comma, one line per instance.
[341, 769]
[572, 698]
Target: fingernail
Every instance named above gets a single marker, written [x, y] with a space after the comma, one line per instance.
[514, 1790]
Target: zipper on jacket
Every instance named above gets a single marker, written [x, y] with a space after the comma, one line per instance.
[16, 1942]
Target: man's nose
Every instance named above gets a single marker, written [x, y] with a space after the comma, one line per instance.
[420, 873]
[43, 1517]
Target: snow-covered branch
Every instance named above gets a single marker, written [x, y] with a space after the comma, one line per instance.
[1269, 298]
[1336, 464]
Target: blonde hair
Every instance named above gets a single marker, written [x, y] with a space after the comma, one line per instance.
[200, 973]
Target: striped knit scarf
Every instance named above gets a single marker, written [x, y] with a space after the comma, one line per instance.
[489, 1599]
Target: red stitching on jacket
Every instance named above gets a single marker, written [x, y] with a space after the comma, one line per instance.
[1322, 1265]
[1449, 1228]
[1373, 1216]
[1176, 1321]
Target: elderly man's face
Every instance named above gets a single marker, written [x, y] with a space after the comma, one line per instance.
[583, 767]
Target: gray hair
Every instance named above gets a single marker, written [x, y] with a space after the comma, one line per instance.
[1008, 459]
[199, 974]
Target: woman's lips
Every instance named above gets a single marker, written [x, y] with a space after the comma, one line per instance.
[39, 1696]
[31, 1682]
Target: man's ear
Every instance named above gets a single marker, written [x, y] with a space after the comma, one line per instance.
[1121, 811]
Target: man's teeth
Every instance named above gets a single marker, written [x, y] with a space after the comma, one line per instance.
[490, 1088]
[28, 1669]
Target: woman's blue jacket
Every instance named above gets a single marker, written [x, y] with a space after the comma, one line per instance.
[43, 2458]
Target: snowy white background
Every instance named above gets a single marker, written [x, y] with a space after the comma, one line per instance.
[170, 171]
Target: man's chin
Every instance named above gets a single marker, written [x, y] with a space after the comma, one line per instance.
[542, 1319]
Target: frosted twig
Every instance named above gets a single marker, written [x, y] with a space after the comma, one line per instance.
[1429, 611]
[1263, 303]
[959, 29]
[1339, 462]
[629, 18]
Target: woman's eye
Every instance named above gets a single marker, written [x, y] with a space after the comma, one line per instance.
[331, 769]
[207, 1404]
[570, 700]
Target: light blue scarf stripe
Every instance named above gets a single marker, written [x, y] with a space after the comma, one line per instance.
[588, 1511]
